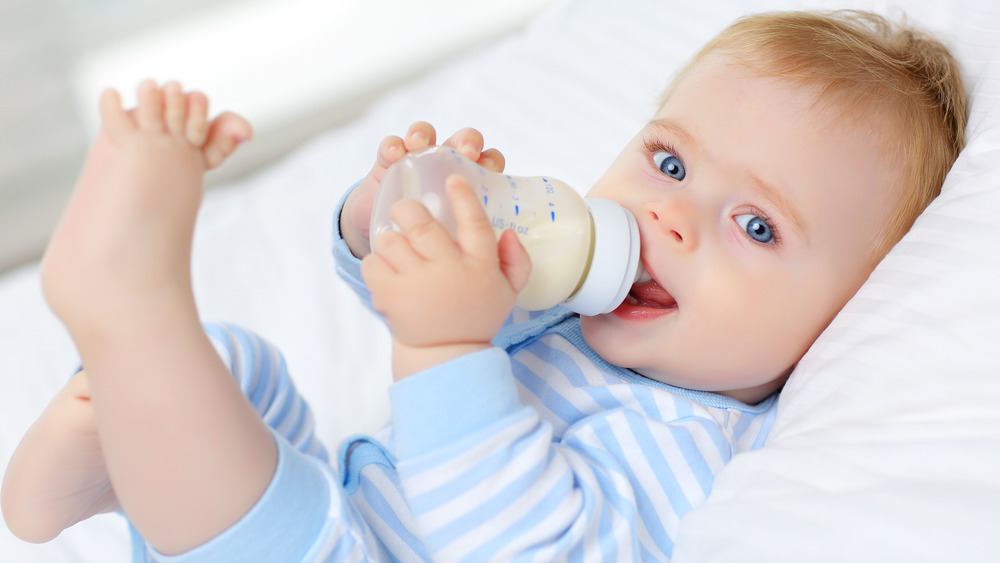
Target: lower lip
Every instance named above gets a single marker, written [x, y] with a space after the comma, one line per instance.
[635, 312]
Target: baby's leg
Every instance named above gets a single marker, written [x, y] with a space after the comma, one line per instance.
[57, 475]
[186, 453]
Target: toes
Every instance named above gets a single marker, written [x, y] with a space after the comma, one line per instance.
[116, 121]
[149, 114]
[174, 108]
[196, 128]
[224, 134]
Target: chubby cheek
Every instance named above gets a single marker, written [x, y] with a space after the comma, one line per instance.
[751, 338]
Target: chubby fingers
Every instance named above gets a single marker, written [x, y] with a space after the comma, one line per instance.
[393, 253]
[420, 135]
[492, 159]
[427, 238]
[469, 143]
[477, 238]
[473, 230]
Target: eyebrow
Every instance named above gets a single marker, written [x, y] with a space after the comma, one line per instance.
[775, 196]
[784, 205]
[672, 127]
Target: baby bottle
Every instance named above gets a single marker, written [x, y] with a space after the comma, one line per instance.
[584, 252]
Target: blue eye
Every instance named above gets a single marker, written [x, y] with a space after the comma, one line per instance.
[757, 228]
[669, 165]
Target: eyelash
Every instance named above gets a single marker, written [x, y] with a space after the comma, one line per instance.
[654, 145]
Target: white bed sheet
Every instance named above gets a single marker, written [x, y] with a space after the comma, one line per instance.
[888, 433]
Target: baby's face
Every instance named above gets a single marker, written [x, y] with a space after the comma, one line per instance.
[756, 210]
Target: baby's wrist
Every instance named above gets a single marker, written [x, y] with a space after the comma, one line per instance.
[359, 245]
[408, 360]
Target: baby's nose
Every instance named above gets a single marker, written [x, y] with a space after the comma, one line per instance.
[675, 218]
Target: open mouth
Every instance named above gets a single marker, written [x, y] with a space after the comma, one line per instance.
[650, 295]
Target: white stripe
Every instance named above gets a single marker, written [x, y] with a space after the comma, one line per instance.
[434, 477]
[559, 382]
[624, 487]
[286, 398]
[595, 377]
[339, 524]
[639, 465]
[444, 514]
[623, 525]
[395, 544]
[516, 510]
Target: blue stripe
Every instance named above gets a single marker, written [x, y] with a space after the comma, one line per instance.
[765, 428]
[654, 457]
[644, 396]
[685, 413]
[510, 494]
[481, 471]
[648, 515]
[253, 387]
[570, 369]
[552, 400]
[694, 457]
[387, 513]
[556, 497]
[606, 535]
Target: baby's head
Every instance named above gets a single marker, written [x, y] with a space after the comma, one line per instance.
[785, 161]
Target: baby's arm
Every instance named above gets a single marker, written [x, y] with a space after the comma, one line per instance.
[443, 298]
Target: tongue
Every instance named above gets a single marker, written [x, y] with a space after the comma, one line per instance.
[650, 294]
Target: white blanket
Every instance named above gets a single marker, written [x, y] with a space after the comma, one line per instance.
[887, 440]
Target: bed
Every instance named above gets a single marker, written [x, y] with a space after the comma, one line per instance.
[886, 445]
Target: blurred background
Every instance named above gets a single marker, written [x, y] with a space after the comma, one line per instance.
[294, 68]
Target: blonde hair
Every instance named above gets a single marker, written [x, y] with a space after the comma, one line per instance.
[870, 68]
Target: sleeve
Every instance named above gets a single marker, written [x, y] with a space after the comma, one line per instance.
[487, 479]
[348, 266]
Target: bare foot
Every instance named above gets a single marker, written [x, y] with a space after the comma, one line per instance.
[57, 475]
[127, 230]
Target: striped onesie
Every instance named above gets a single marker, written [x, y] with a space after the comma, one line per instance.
[534, 450]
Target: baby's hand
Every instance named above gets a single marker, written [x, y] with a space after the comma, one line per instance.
[355, 218]
[443, 298]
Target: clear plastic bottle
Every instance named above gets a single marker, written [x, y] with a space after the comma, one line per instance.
[584, 252]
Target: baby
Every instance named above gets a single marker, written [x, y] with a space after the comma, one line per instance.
[790, 155]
